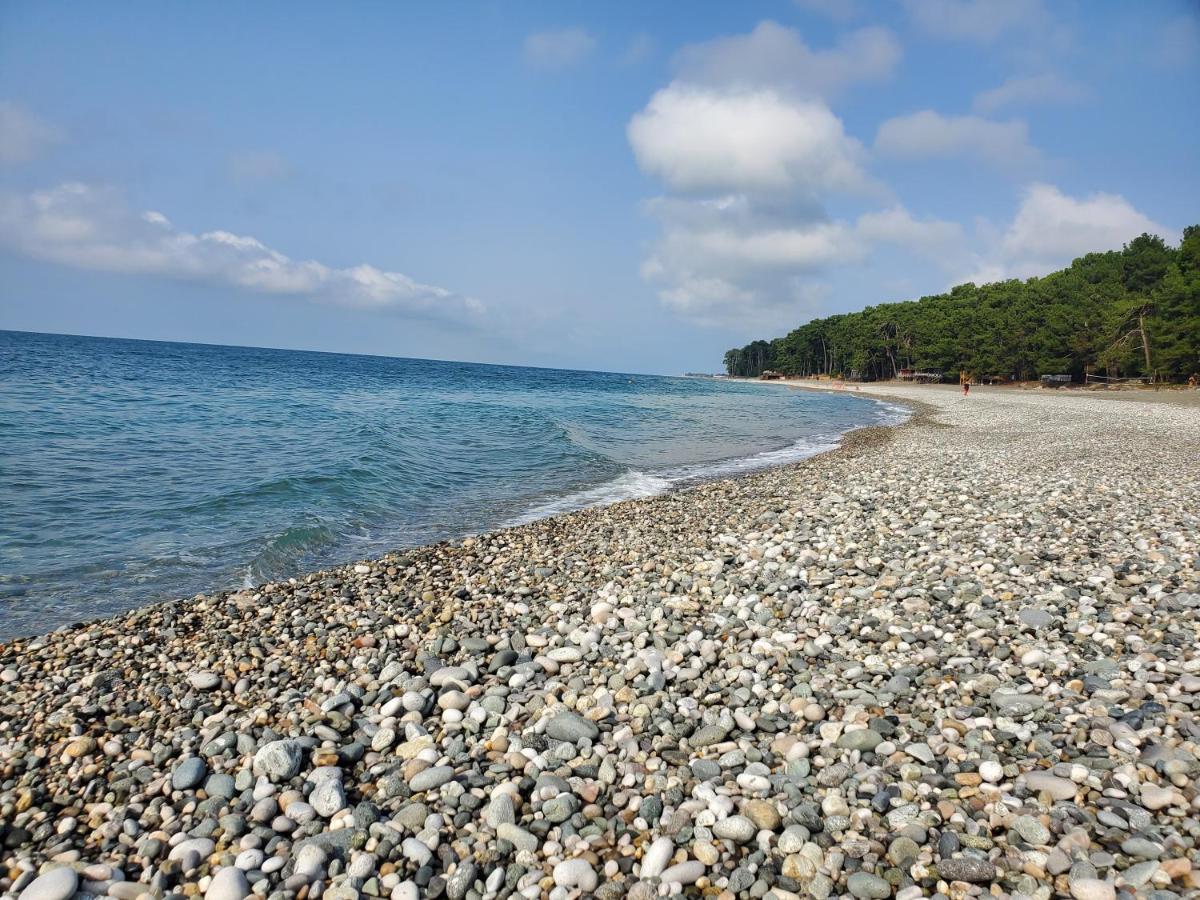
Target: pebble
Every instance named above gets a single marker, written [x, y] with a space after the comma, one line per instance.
[866, 886]
[278, 760]
[188, 774]
[1031, 830]
[860, 739]
[430, 779]
[738, 829]
[56, 884]
[1092, 889]
[1045, 783]
[688, 872]
[656, 857]
[991, 771]
[575, 873]
[967, 868]
[566, 726]
[228, 884]
[204, 681]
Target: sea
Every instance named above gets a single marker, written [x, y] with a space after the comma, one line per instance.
[136, 471]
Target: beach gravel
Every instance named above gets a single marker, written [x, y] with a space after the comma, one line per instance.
[958, 658]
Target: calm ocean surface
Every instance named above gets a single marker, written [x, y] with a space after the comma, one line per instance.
[134, 471]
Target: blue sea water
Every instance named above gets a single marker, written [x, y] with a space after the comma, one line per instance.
[135, 471]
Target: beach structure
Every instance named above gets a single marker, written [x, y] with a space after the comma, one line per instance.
[920, 376]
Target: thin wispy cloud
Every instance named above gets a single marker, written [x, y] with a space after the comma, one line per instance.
[775, 56]
[1029, 90]
[1179, 44]
[258, 166]
[558, 49]
[982, 21]
[87, 227]
[639, 49]
[834, 10]
[23, 136]
[929, 135]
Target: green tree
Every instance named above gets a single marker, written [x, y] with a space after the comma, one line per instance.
[1131, 312]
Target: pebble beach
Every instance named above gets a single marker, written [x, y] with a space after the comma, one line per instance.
[955, 658]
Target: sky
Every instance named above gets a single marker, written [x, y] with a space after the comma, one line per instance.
[619, 186]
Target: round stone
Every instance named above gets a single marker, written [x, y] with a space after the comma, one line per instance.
[188, 773]
[203, 681]
[57, 884]
[866, 886]
[991, 771]
[738, 829]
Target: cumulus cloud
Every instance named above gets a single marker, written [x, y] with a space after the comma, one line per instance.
[23, 136]
[698, 138]
[1029, 90]
[732, 260]
[749, 151]
[975, 20]
[92, 228]
[1051, 229]
[777, 57]
[930, 135]
[558, 49]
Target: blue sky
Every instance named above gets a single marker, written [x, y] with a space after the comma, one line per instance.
[631, 187]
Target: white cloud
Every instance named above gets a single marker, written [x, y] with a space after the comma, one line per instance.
[1051, 229]
[930, 135]
[702, 139]
[1029, 90]
[776, 57]
[749, 151]
[91, 228]
[976, 20]
[1055, 228]
[732, 260]
[558, 49]
[23, 135]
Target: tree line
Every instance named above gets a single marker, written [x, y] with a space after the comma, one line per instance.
[1129, 313]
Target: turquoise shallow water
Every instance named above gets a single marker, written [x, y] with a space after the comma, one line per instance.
[134, 471]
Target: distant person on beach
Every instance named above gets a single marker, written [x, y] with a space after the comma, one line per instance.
[966, 388]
